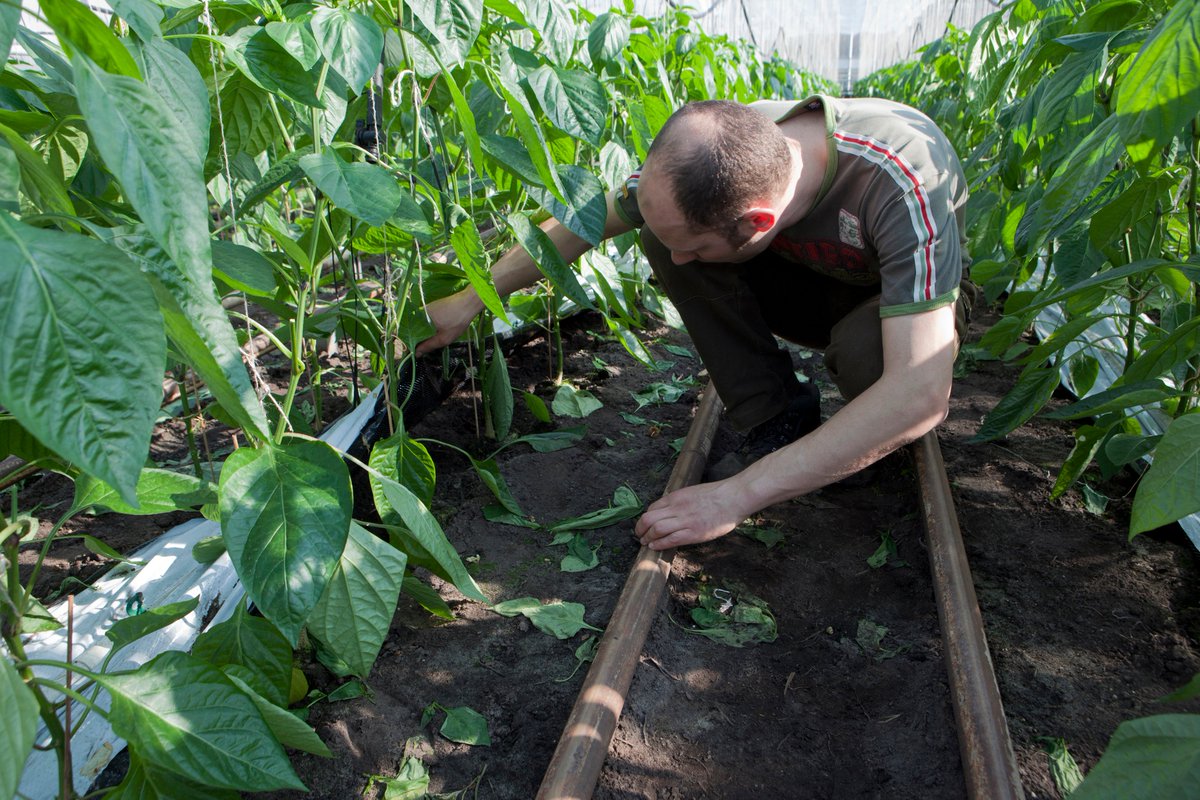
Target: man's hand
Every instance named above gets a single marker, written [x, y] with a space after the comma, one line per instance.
[451, 316]
[690, 515]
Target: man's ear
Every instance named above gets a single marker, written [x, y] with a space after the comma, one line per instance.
[761, 219]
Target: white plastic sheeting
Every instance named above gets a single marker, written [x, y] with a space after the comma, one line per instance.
[840, 41]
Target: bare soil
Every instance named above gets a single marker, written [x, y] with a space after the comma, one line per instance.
[1087, 629]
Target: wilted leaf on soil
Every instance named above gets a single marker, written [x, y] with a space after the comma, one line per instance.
[732, 617]
[581, 556]
[625, 504]
[572, 402]
[1063, 768]
[466, 726]
[561, 619]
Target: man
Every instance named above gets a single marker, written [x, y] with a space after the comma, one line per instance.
[836, 224]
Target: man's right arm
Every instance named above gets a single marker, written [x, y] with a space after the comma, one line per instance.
[514, 270]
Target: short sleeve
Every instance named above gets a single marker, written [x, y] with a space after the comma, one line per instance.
[627, 201]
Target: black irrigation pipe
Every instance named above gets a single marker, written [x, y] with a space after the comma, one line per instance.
[989, 766]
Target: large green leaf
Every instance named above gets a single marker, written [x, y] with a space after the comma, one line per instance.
[423, 528]
[297, 40]
[498, 386]
[1032, 391]
[1161, 91]
[243, 268]
[366, 191]
[254, 643]
[1170, 489]
[472, 257]
[264, 61]
[19, 728]
[587, 214]
[406, 461]
[453, 24]
[128, 630]
[289, 729]
[607, 37]
[142, 16]
[145, 781]
[10, 17]
[547, 258]
[180, 711]
[466, 118]
[351, 42]
[1151, 758]
[83, 362]
[531, 135]
[285, 516]
[574, 101]
[80, 29]
[15, 440]
[1117, 398]
[552, 21]
[355, 613]
[198, 328]
[171, 75]
[561, 620]
[159, 491]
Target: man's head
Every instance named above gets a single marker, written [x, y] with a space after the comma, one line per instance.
[714, 174]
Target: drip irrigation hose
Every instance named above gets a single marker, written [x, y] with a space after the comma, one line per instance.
[989, 767]
[579, 756]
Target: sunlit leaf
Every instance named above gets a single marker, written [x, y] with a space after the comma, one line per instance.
[560, 619]
[352, 43]
[1170, 489]
[127, 630]
[252, 642]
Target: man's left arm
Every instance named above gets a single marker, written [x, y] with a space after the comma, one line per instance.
[909, 399]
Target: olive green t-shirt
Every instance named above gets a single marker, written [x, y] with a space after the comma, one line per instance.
[890, 209]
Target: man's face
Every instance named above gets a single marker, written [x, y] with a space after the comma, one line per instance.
[666, 221]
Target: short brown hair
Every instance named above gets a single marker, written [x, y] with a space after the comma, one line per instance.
[720, 157]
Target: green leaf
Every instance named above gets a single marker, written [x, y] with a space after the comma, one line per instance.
[472, 256]
[81, 373]
[552, 441]
[355, 613]
[261, 59]
[581, 556]
[10, 18]
[489, 472]
[366, 191]
[574, 101]
[1118, 398]
[352, 43]
[572, 402]
[466, 726]
[553, 23]
[42, 185]
[499, 392]
[587, 213]
[537, 407]
[81, 29]
[607, 37]
[158, 491]
[1187, 692]
[180, 89]
[1126, 448]
[1088, 439]
[209, 549]
[625, 505]
[297, 40]
[426, 597]
[285, 726]
[180, 711]
[453, 24]
[285, 516]
[1147, 759]
[252, 642]
[1161, 91]
[128, 630]
[143, 17]
[510, 155]
[532, 136]
[1032, 391]
[423, 528]
[411, 781]
[561, 620]
[19, 729]
[406, 461]
[1170, 489]
[733, 617]
[145, 781]
[243, 268]
[466, 119]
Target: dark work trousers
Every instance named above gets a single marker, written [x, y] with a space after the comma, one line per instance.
[734, 311]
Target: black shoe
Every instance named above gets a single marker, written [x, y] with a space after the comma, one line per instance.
[802, 416]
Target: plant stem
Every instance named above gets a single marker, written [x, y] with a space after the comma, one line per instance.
[181, 379]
